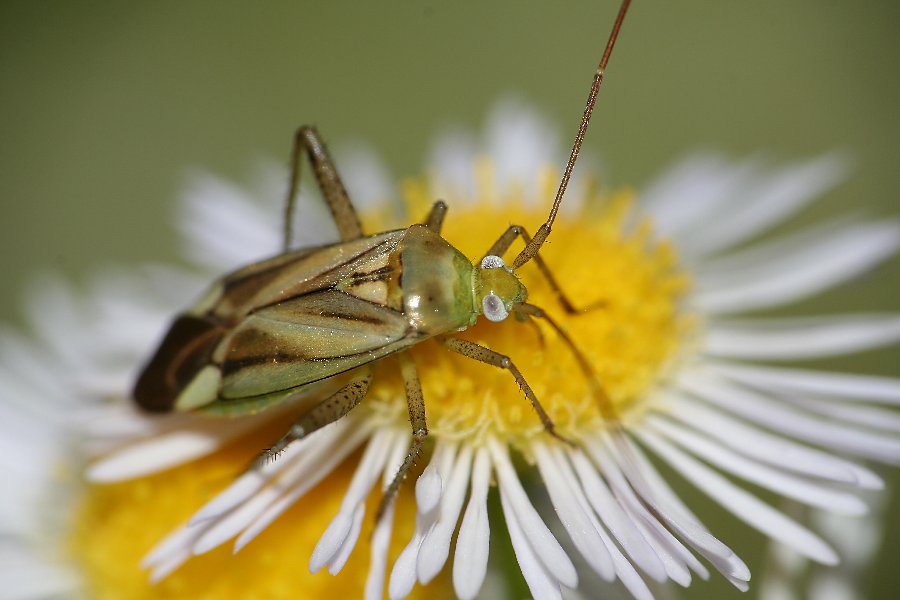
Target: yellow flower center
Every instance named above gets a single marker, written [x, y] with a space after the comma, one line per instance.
[633, 331]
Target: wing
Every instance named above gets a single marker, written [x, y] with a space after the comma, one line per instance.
[184, 374]
[307, 339]
[296, 273]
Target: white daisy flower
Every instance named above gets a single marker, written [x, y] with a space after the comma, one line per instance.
[686, 380]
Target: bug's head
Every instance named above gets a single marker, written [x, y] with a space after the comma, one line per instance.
[497, 289]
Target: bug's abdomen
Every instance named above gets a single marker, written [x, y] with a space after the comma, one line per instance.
[183, 353]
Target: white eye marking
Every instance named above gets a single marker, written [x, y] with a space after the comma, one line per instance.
[492, 262]
[493, 308]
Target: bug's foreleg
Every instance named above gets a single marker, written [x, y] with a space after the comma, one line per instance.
[488, 356]
[307, 141]
[415, 404]
[435, 218]
[605, 403]
[324, 413]
[505, 241]
[525, 318]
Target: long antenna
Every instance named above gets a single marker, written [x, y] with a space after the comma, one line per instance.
[531, 249]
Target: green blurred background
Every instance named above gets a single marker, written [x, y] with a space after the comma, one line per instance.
[105, 106]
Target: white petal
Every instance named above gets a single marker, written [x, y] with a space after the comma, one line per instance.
[25, 579]
[541, 582]
[381, 542]
[234, 522]
[733, 568]
[472, 543]
[769, 201]
[674, 556]
[788, 339]
[868, 416]
[155, 454]
[845, 386]
[772, 449]
[365, 176]
[452, 161]
[429, 489]
[574, 517]
[331, 541]
[338, 561]
[521, 144]
[364, 477]
[179, 541]
[630, 578]
[776, 416]
[435, 547]
[165, 568]
[768, 477]
[688, 194]
[300, 478]
[786, 277]
[250, 482]
[624, 461]
[403, 573]
[545, 546]
[742, 504]
[222, 226]
[616, 520]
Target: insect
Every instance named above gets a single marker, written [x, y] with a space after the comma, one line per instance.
[262, 335]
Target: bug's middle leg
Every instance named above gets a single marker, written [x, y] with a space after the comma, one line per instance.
[415, 404]
[324, 413]
[307, 141]
[488, 356]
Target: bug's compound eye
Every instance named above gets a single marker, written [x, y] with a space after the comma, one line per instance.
[494, 309]
[492, 262]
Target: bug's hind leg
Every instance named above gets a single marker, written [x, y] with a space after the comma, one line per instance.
[488, 356]
[307, 141]
[435, 218]
[324, 413]
[415, 404]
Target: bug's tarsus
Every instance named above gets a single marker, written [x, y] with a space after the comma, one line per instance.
[532, 247]
[435, 218]
[415, 405]
[307, 141]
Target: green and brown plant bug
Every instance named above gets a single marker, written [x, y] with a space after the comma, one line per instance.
[265, 333]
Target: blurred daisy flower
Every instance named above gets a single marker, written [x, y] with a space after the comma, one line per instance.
[690, 384]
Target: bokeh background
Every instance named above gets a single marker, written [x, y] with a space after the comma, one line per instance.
[105, 106]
